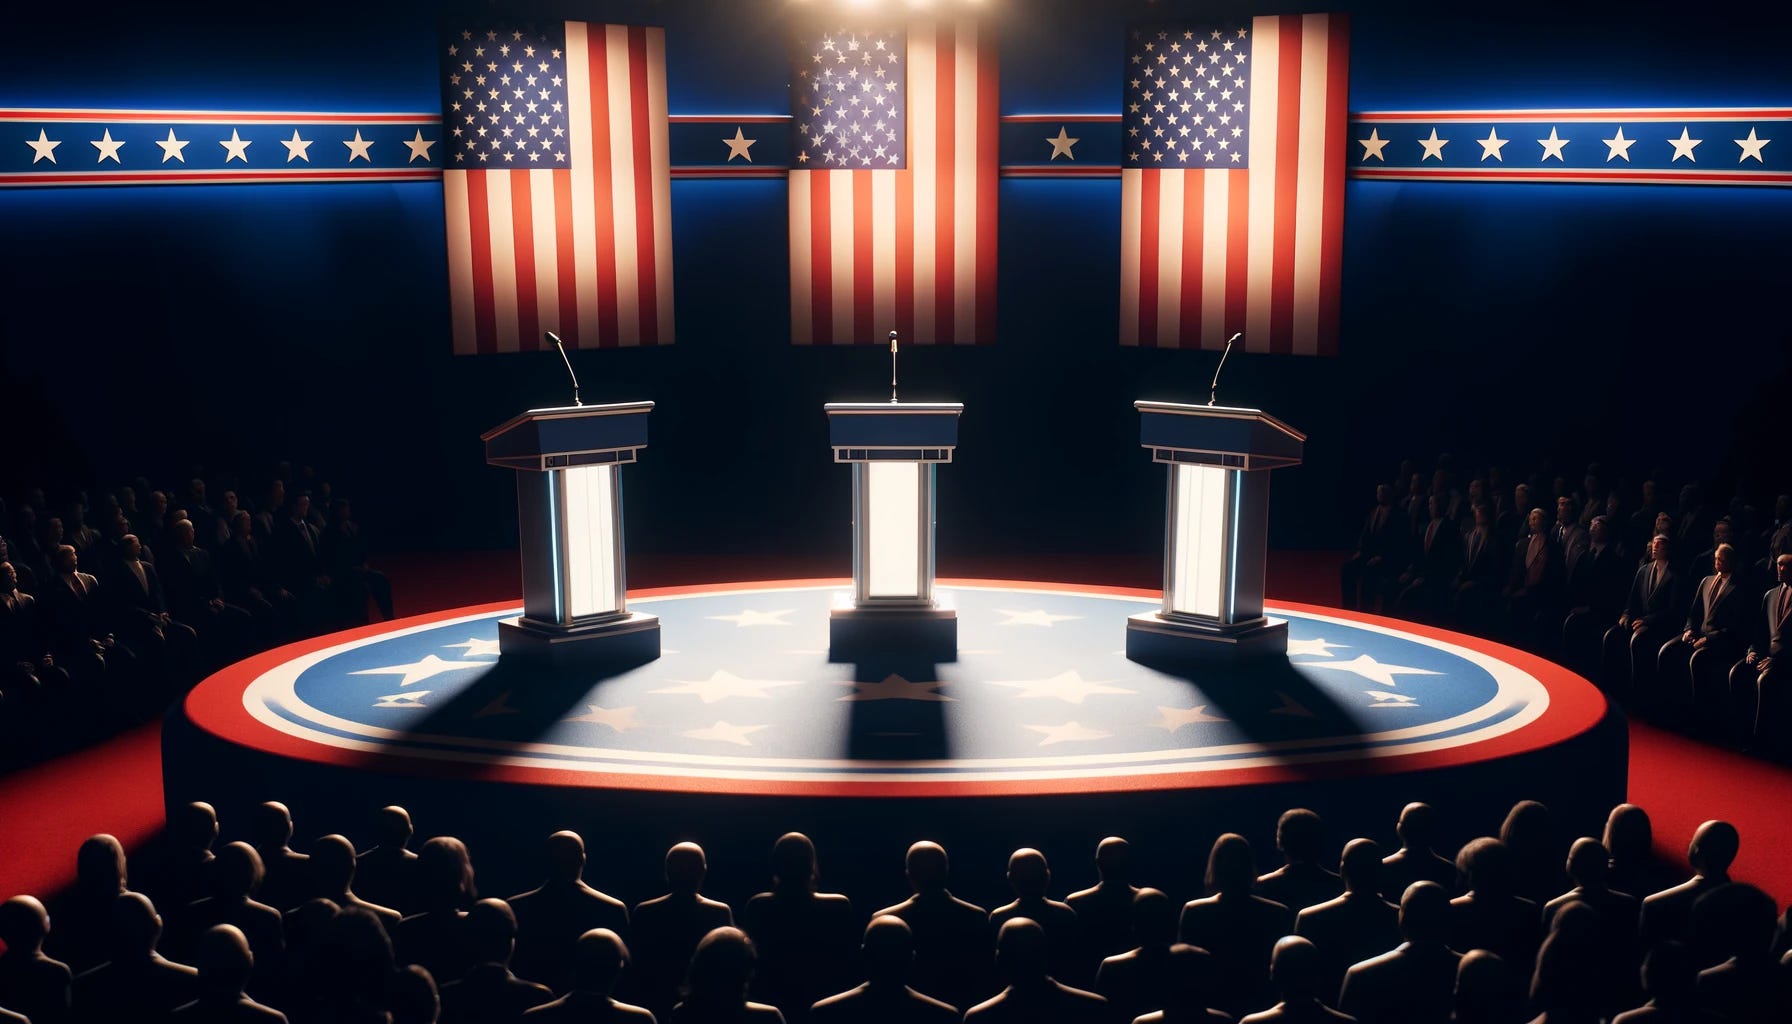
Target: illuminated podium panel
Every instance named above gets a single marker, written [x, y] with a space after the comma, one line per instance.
[1216, 526]
[568, 465]
[893, 448]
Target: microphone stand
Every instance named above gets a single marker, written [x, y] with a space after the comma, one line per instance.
[555, 338]
[892, 367]
[1213, 388]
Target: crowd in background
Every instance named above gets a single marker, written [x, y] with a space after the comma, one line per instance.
[1515, 926]
[1675, 603]
[112, 601]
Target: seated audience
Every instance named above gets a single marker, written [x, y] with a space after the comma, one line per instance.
[1140, 979]
[1736, 922]
[1589, 866]
[1760, 706]
[1416, 980]
[1632, 646]
[1415, 860]
[490, 993]
[436, 938]
[1355, 926]
[804, 938]
[30, 982]
[888, 954]
[332, 866]
[1491, 915]
[83, 935]
[1190, 985]
[1529, 833]
[1487, 991]
[1379, 556]
[669, 928]
[386, 871]
[551, 918]
[235, 879]
[1295, 969]
[135, 982]
[224, 966]
[1560, 988]
[1030, 993]
[715, 988]
[1238, 927]
[1029, 878]
[1668, 914]
[598, 960]
[952, 938]
[1104, 911]
[1302, 881]
[413, 998]
[287, 881]
[1694, 667]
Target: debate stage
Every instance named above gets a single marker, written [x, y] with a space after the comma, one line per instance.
[1041, 733]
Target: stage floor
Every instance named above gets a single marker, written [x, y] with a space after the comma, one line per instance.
[1041, 718]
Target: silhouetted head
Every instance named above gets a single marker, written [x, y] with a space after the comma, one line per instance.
[888, 950]
[1527, 826]
[1487, 865]
[598, 959]
[566, 856]
[1294, 967]
[413, 998]
[1361, 866]
[270, 825]
[135, 927]
[927, 866]
[1589, 862]
[1028, 874]
[356, 956]
[1425, 913]
[1560, 980]
[392, 828]
[793, 862]
[1600, 529]
[1022, 953]
[1113, 860]
[237, 872]
[1231, 871]
[333, 864]
[1153, 918]
[1713, 848]
[1417, 826]
[1300, 835]
[1628, 835]
[224, 962]
[721, 968]
[1738, 919]
[491, 931]
[23, 924]
[1487, 988]
[194, 825]
[100, 866]
[445, 872]
[686, 867]
[1670, 974]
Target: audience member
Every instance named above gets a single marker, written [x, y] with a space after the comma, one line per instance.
[135, 983]
[1140, 979]
[414, 998]
[1694, 667]
[1760, 706]
[1491, 915]
[1104, 911]
[386, 872]
[1297, 973]
[1736, 921]
[83, 935]
[224, 966]
[1632, 646]
[1668, 913]
[715, 989]
[669, 928]
[1302, 881]
[287, 880]
[30, 982]
[1415, 860]
[551, 918]
[1030, 993]
[804, 938]
[236, 877]
[1416, 980]
[1029, 878]
[436, 938]
[332, 866]
[888, 955]
[1190, 984]
[1238, 927]
[1487, 991]
[1529, 833]
[490, 993]
[1379, 555]
[598, 959]
[952, 937]
[1355, 926]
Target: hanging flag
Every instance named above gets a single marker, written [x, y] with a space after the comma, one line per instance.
[893, 187]
[557, 186]
[1232, 184]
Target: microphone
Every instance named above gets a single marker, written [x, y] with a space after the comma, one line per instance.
[892, 367]
[555, 338]
[1213, 389]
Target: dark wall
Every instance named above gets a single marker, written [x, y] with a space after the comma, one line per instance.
[147, 329]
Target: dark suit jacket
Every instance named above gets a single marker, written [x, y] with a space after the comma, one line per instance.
[21, 629]
[73, 616]
[1481, 562]
[1389, 539]
[1655, 603]
[1719, 613]
[1407, 984]
[192, 580]
[134, 601]
[1598, 580]
[1438, 556]
[1772, 628]
[549, 921]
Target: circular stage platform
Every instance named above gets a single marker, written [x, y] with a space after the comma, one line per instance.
[1042, 733]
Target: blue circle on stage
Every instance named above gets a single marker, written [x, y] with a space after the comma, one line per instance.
[1041, 698]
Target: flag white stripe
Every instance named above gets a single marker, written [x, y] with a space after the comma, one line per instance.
[923, 162]
[499, 231]
[840, 212]
[546, 244]
[1309, 207]
[883, 252]
[623, 202]
[964, 115]
[1266, 54]
[1132, 218]
[1170, 197]
[802, 332]
[1216, 199]
[583, 160]
[662, 182]
[460, 262]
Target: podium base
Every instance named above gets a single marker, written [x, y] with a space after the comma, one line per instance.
[633, 639]
[1152, 638]
[929, 633]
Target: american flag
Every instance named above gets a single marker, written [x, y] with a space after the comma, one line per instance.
[557, 186]
[893, 195]
[1232, 184]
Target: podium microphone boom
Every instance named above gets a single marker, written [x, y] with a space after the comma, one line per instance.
[555, 338]
[1213, 389]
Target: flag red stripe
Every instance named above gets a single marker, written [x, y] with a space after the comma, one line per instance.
[522, 231]
[864, 273]
[485, 309]
[821, 256]
[944, 183]
[989, 137]
[567, 274]
[905, 250]
[1287, 187]
[1150, 192]
[607, 330]
[1193, 205]
[647, 289]
[1336, 135]
[1238, 249]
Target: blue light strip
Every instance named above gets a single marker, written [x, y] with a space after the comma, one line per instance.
[1233, 480]
[557, 570]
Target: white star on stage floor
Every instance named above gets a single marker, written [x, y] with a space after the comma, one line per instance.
[475, 646]
[1434, 147]
[753, 618]
[1372, 670]
[417, 671]
[108, 147]
[619, 719]
[1290, 706]
[723, 685]
[1172, 719]
[1066, 686]
[236, 147]
[1492, 144]
[1392, 700]
[1314, 646]
[723, 732]
[403, 700]
[894, 687]
[357, 147]
[1036, 617]
[1069, 732]
[1619, 146]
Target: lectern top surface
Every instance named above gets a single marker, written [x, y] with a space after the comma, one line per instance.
[1226, 412]
[894, 408]
[567, 412]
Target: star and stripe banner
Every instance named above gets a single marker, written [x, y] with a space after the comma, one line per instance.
[66, 146]
[1232, 184]
[1620, 146]
[893, 185]
[557, 186]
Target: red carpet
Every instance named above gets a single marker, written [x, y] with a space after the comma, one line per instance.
[116, 786]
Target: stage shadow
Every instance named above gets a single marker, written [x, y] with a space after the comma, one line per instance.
[1270, 702]
[898, 711]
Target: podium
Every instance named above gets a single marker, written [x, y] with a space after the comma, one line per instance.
[894, 448]
[568, 463]
[1215, 532]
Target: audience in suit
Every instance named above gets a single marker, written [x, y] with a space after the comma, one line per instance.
[1356, 925]
[1694, 667]
[598, 960]
[551, 918]
[1030, 878]
[715, 990]
[1023, 962]
[1237, 926]
[668, 928]
[1379, 556]
[1633, 645]
[1668, 914]
[1760, 708]
[1104, 911]
[1415, 860]
[1141, 979]
[1414, 981]
[949, 933]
